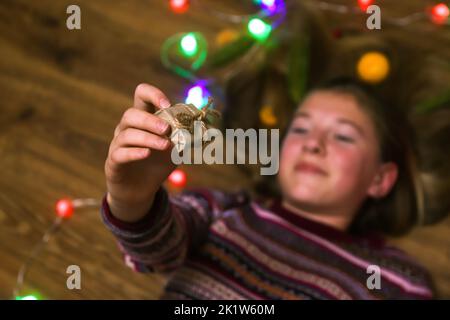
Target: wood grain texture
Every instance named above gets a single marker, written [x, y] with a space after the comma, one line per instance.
[62, 93]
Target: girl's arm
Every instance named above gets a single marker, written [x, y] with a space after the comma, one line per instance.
[173, 228]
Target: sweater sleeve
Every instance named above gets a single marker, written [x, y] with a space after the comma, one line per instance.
[173, 228]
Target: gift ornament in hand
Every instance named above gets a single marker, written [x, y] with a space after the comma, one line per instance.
[182, 118]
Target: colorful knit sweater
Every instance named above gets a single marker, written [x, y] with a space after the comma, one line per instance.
[224, 246]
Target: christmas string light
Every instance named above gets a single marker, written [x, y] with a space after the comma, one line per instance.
[268, 7]
[64, 210]
[259, 28]
[177, 178]
[189, 44]
[179, 6]
[225, 37]
[34, 253]
[373, 67]
[28, 297]
[197, 95]
[267, 116]
[193, 45]
[364, 4]
[439, 13]
[266, 10]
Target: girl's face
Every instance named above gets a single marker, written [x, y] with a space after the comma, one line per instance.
[330, 155]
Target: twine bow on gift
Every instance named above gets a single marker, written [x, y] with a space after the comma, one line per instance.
[206, 111]
[183, 116]
[185, 120]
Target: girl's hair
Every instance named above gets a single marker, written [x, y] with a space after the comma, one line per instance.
[403, 207]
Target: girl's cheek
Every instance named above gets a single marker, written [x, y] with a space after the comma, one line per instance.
[350, 162]
[290, 153]
[290, 147]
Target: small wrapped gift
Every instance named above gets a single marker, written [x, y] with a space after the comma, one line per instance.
[183, 116]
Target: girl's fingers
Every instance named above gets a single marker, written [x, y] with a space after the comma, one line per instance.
[139, 119]
[125, 155]
[146, 97]
[132, 137]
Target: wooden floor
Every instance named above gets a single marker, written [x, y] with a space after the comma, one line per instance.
[62, 93]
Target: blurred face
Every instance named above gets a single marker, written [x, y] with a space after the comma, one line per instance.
[330, 155]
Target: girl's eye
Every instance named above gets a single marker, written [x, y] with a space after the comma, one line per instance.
[344, 138]
[299, 130]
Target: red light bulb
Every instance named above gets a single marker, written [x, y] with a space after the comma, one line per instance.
[439, 13]
[178, 178]
[64, 208]
[364, 4]
[179, 6]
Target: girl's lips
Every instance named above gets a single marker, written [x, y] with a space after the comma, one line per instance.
[309, 168]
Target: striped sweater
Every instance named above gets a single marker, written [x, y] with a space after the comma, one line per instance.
[220, 245]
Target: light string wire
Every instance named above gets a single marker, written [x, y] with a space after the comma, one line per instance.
[38, 247]
[344, 9]
[323, 5]
[233, 18]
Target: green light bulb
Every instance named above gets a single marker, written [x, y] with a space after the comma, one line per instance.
[189, 45]
[28, 297]
[259, 29]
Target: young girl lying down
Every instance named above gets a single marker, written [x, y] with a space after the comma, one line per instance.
[347, 171]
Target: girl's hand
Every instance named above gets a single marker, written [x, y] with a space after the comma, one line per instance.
[139, 156]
